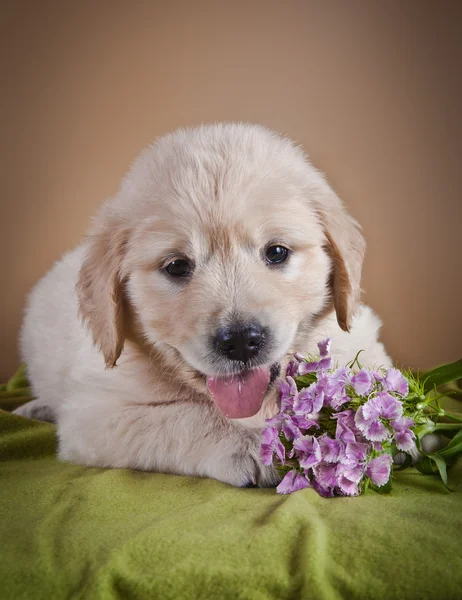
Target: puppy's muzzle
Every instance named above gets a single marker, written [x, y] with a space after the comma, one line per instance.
[240, 342]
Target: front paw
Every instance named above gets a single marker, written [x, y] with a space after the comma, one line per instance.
[250, 472]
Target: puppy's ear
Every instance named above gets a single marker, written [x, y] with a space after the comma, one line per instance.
[346, 247]
[100, 291]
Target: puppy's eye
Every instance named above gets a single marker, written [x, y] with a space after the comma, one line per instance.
[179, 268]
[276, 254]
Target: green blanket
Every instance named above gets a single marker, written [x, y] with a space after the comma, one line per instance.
[68, 531]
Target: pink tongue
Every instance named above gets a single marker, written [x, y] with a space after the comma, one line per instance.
[240, 396]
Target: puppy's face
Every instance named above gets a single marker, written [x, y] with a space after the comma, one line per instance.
[228, 283]
[220, 242]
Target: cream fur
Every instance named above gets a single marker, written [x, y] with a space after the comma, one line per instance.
[217, 194]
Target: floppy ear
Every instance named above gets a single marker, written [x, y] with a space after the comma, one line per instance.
[346, 247]
[100, 291]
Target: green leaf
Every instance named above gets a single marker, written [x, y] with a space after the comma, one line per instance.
[448, 427]
[426, 466]
[432, 464]
[441, 464]
[305, 380]
[443, 374]
[454, 448]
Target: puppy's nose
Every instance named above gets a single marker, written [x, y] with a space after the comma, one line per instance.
[240, 342]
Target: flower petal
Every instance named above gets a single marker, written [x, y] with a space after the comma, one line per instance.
[396, 382]
[349, 488]
[402, 423]
[303, 423]
[276, 421]
[356, 452]
[379, 469]
[266, 454]
[325, 363]
[308, 451]
[307, 367]
[346, 418]
[331, 449]
[324, 347]
[362, 382]
[291, 431]
[292, 368]
[268, 435]
[391, 407]
[352, 472]
[292, 482]
[280, 450]
[405, 440]
[360, 420]
[344, 434]
[372, 409]
[326, 475]
[376, 431]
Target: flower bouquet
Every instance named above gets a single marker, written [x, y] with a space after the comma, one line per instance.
[340, 430]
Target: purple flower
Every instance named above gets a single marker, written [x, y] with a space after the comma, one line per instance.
[378, 469]
[324, 348]
[348, 487]
[288, 391]
[353, 464]
[292, 482]
[335, 388]
[405, 440]
[325, 479]
[336, 465]
[377, 376]
[372, 429]
[271, 444]
[292, 368]
[325, 362]
[383, 405]
[344, 433]
[368, 416]
[346, 418]
[356, 452]
[309, 400]
[402, 423]
[353, 473]
[303, 423]
[307, 367]
[276, 421]
[308, 451]
[362, 382]
[404, 437]
[331, 449]
[290, 430]
[395, 381]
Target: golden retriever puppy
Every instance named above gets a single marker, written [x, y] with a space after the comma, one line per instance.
[156, 344]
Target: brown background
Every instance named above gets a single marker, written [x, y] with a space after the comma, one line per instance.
[372, 89]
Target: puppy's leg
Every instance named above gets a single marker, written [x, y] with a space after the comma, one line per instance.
[187, 438]
[36, 409]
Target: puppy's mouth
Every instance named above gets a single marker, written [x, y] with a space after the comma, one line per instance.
[241, 395]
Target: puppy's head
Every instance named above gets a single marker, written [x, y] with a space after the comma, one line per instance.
[225, 244]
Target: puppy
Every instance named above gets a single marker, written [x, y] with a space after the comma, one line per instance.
[156, 344]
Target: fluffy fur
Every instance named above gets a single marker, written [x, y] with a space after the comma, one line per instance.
[118, 352]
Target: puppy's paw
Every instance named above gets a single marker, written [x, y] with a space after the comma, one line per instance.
[246, 464]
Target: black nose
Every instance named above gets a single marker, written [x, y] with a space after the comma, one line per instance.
[240, 342]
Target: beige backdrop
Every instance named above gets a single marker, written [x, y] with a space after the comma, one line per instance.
[372, 89]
